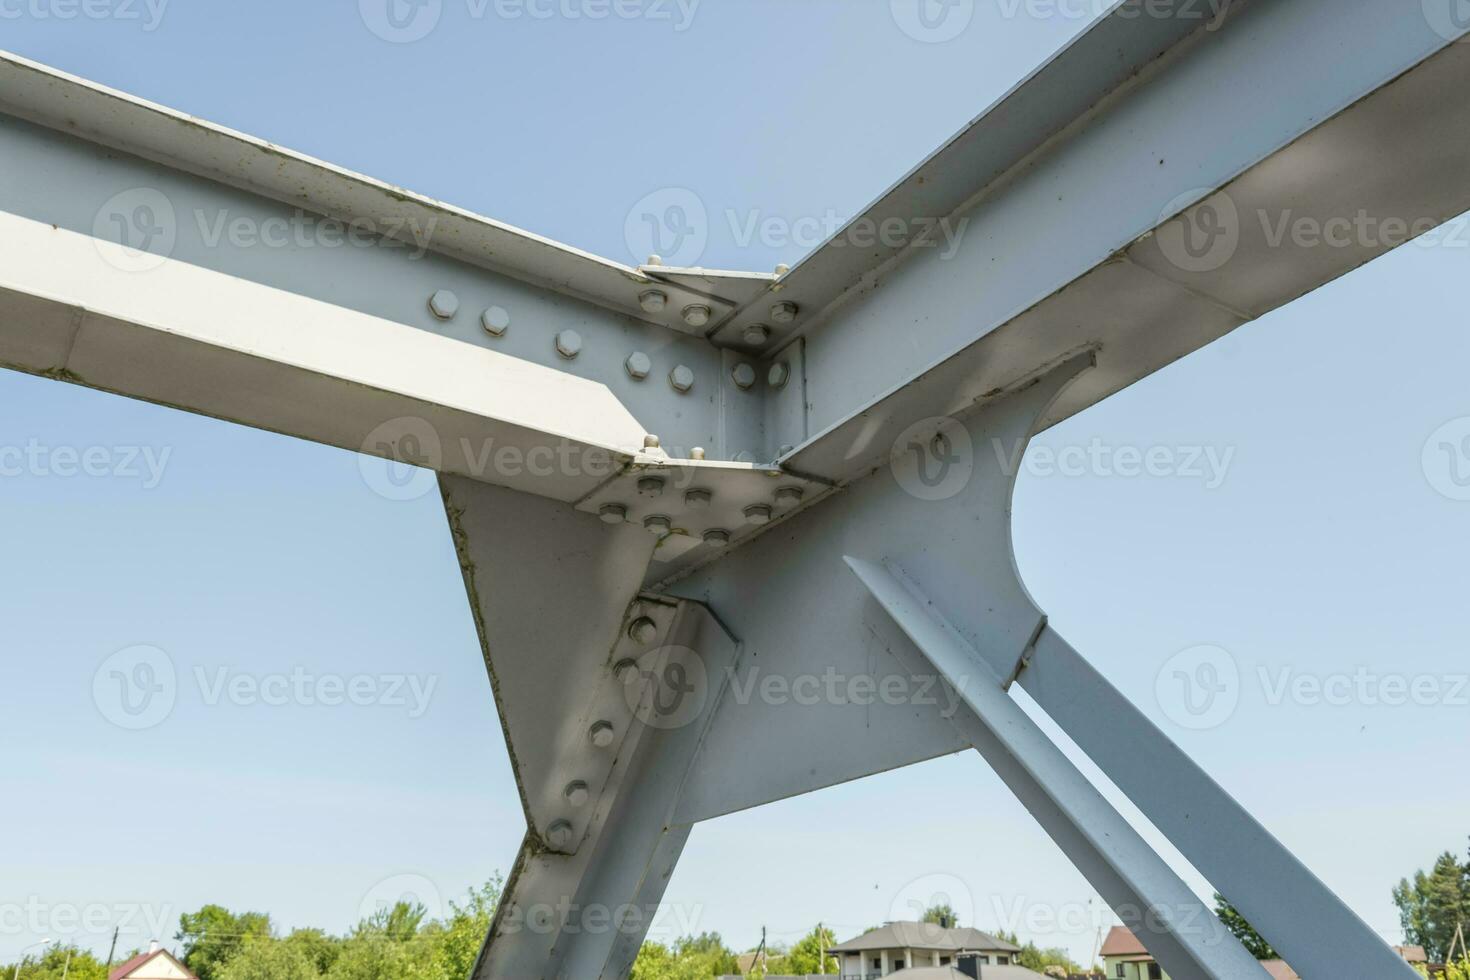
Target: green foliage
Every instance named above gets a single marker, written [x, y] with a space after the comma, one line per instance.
[214, 934]
[1431, 905]
[806, 956]
[52, 962]
[690, 958]
[1253, 942]
[1033, 957]
[269, 959]
[940, 915]
[458, 944]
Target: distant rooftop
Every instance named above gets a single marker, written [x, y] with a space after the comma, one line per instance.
[925, 935]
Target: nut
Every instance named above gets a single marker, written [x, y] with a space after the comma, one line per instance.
[758, 514]
[601, 734]
[682, 378]
[569, 344]
[778, 375]
[642, 630]
[654, 300]
[559, 835]
[697, 314]
[444, 304]
[716, 537]
[757, 334]
[783, 312]
[658, 524]
[496, 321]
[787, 497]
[612, 513]
[576, 793]
[625, 670]
[651, 486]
[697, 498]
[743, 375]
[638, 364]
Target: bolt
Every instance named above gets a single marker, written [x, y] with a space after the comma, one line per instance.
[716, 538]
[782, 269]
[651, 486]
[643, 630]
[654, 300]
[697, 499]
[559, 835]
[569, 344]
[601, 734]
[650, 441]
[682, 378]
[778, 375]
[655, 260]
[697, 314]
[758, 514]
[444, 304]
[743, 375]
[638, 365]
[783, 312]
[757, 334]
[576, 793]
[787, 497]
[697, 452]
[625, 670]
[496, 321]
[612, 513]
[658, 524]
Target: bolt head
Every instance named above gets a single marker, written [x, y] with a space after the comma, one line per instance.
[653, 300]
[682, 378]
[716, 537]
[569, 344]
[601, 734]
[778, 375]
[625, 670]
[782, 269]
[639, 365]
[658, 524]
[576, 793]
[697, 314]
[744, 376]
[650, 441]
[655, 260]
[643, 630]
[697, 499]
[612, 513]
[757, 334]
[559, 835]
[444, 304]
[496, 321]
[651, 486]
[758, 514]
[697, 452]
[783, 312]
[788, 497]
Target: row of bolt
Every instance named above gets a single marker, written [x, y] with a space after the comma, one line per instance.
[444, 304]
[642, 631]
[697, 499]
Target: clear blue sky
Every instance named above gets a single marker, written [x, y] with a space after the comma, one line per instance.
[1326, 545]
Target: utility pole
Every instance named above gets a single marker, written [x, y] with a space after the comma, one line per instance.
[113, 948]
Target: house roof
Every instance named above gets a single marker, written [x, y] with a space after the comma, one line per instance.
[1412, 954]
[988, 972]
[1122, 942]
[1279, 970]
[131, 966]
[924, 935]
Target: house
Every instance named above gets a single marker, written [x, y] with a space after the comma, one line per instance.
[903, 945]
[1124, 958]
[155, 964]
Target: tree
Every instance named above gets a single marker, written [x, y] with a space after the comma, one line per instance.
[464, 932]
[214, 934]
[1432, 905]
[941, 915]
[54, 961]
[806, 956]
[1253, 942]
[319, 948]
[269, 959]
[690, 958]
